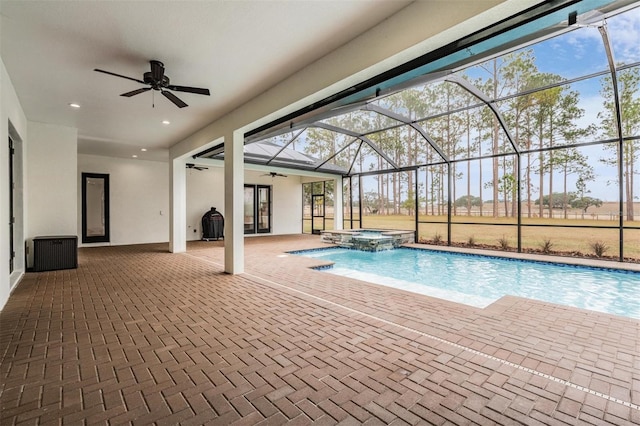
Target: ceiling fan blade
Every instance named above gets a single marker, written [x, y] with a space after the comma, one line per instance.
[136, 92]
[193, 166]
[187, 89]
[157, 70]
[173, 98]
[118, 75]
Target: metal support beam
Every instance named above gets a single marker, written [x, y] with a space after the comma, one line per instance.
[359, 136]
[449, 203]
[620, 141]
[285, 146]
[484, 98]
[334, 155]
[355, 157]
[416, 127]
[417, 209]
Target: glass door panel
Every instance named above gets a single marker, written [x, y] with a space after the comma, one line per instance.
[264, 209]
[249, 209]
[318, 214]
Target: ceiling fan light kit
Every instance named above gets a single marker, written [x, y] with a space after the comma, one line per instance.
[157, 80]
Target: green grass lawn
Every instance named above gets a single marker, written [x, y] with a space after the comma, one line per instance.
[565, 239]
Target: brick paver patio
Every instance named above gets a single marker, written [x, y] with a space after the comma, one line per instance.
[137, 335]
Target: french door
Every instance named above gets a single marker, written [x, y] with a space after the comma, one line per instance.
[257, 209]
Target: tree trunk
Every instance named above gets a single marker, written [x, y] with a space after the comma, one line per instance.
[480, 184]
[629, 182]
[541, 161]
[453, 190]
[468, 165]
[528, 184]
[564, 191]
[433, 189]
[496, 143]
[551, 184]
[551, 167]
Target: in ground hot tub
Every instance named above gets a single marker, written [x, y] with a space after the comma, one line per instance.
[368, 239]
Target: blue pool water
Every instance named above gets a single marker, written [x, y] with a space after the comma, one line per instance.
[481, 280]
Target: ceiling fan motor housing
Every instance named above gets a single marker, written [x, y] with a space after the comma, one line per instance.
[157, 85]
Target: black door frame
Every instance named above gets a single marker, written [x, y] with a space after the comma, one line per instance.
[101, 238]
[12, 216]
[256, 209]
[315, 216]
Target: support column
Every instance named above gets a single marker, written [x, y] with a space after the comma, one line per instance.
[234, 203]
[338, 201]
[177, 206]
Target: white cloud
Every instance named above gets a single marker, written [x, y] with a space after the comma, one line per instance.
[624, 31]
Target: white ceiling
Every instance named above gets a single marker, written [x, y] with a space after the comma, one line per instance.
[236, 49]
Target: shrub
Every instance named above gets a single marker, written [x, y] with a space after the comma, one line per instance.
[546, 246]
[437, 239]
[471, 241]
[599, 248]
[503, 243]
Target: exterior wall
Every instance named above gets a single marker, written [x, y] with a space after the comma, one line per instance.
[138, 197]
[287, 204]
[14, 122]
[205, 189]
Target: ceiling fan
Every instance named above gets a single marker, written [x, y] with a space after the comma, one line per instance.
[274, 174]
[157, 80]
[193, 166]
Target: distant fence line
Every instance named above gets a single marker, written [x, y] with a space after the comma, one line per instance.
[571, 215]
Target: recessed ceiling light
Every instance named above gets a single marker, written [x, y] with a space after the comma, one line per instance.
[143, 149]
[74, 105]
[134, 156]
[165, 122]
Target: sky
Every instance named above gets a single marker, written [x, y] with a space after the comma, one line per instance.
[574, 54]
[578, 53]
[582, 52]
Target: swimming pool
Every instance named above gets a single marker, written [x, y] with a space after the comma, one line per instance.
[481, 280]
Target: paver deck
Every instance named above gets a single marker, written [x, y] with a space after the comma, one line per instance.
[137, 335]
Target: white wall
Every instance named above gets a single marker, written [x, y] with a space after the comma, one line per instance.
[205, 189]
[286, 196]
[287, 203]
[138, 198]
[52, 157]
[11, 113]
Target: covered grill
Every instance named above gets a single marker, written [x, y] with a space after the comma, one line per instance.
[212, 225]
